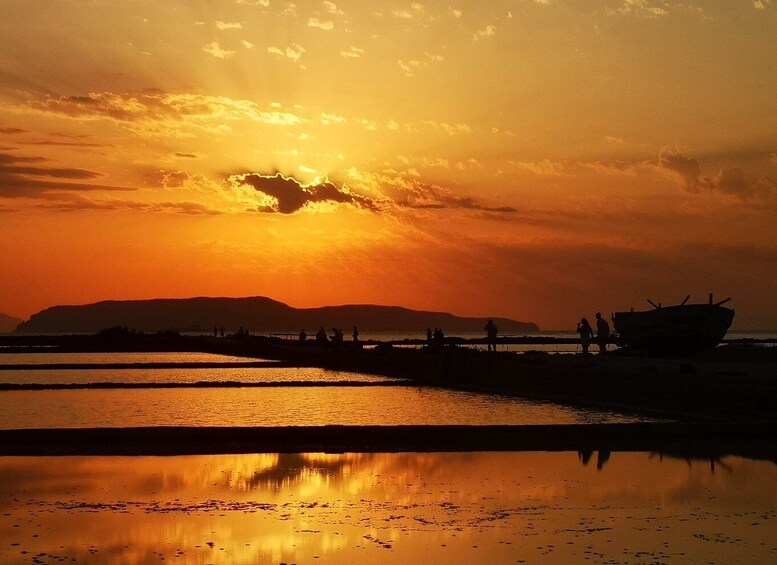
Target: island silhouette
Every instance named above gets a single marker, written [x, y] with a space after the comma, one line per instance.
[8, 323]
[255, 314]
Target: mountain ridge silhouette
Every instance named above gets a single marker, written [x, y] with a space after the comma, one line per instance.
[255, 313]
[8, 323]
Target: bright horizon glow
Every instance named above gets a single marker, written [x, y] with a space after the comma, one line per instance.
[537, 160]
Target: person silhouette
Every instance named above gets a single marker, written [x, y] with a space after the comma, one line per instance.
[491, 333]
[355, 334]
[429, 337]
[586, 334]
[303, 336]
[602, 333]
[321, 337]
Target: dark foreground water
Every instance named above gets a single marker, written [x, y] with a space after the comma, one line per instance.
[388, 508]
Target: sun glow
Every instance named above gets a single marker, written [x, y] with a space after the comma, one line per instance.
[534, 148]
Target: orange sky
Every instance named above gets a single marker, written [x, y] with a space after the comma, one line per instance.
[536, 159]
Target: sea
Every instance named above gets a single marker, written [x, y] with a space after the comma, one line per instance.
[481, 507]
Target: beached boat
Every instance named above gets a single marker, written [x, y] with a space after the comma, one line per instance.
[674, 331]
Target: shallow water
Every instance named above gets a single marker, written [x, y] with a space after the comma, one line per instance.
[387, 508]
[188, 375]
[280, 406]
[132, 357]
[272, 406]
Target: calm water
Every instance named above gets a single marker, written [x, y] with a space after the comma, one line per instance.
[49, 358]
[246, 375]
[387, 508]
[280, 406]
[271, 406]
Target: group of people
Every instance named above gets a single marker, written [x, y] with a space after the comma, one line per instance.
[323, 339]
[602, 336]
[435, 338]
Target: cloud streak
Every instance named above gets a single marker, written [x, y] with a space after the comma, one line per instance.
[29, 177]
[80, 203]
[155, 112]
[686, 171]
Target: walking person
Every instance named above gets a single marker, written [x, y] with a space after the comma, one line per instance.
[586, 334]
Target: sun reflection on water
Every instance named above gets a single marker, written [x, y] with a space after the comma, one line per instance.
[456, 507]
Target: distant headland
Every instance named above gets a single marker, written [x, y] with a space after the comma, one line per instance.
[8, 323]
[256, 314]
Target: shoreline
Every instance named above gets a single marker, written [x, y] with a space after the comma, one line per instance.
[203, 384]
[732, 383]
[706, 440]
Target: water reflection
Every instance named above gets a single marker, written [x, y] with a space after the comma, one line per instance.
[453, 507]
[301, 406]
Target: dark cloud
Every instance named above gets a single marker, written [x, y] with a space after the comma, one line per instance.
[12, 131]
[28, 176]
[291, 195]
[729, 180]
[179, 155]
[687, 169]
[173, 179]
[65, 143]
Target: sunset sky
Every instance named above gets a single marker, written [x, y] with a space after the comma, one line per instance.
[534, 159]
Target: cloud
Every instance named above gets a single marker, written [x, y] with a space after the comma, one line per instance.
[545, 167]
[320, 24]
[450, 129]
[644, 8]
[331, 8]
[31, 176]
[181, 155]
[287, 195]
[402, 14]
[761, 4]
[729, 180]
[247, 44]
[353, 53]
[686, 169]
[11, 131]
[228, 25]
[327, 119]
[413, 193]
[264, 3]
[215, 49]
[156, 112]
[409, 66]
[79, 203]
[65, 143]
[488, 31]
[293, 52]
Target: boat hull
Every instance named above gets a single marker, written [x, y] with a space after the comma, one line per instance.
[675, 330]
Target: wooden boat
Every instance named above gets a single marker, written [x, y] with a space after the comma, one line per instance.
[674, 331]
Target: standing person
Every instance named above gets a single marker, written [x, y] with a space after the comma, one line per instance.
[355, 334]
[586, 334]
[429, 337]
[303, 336]
[602, 333]
[491, 332]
